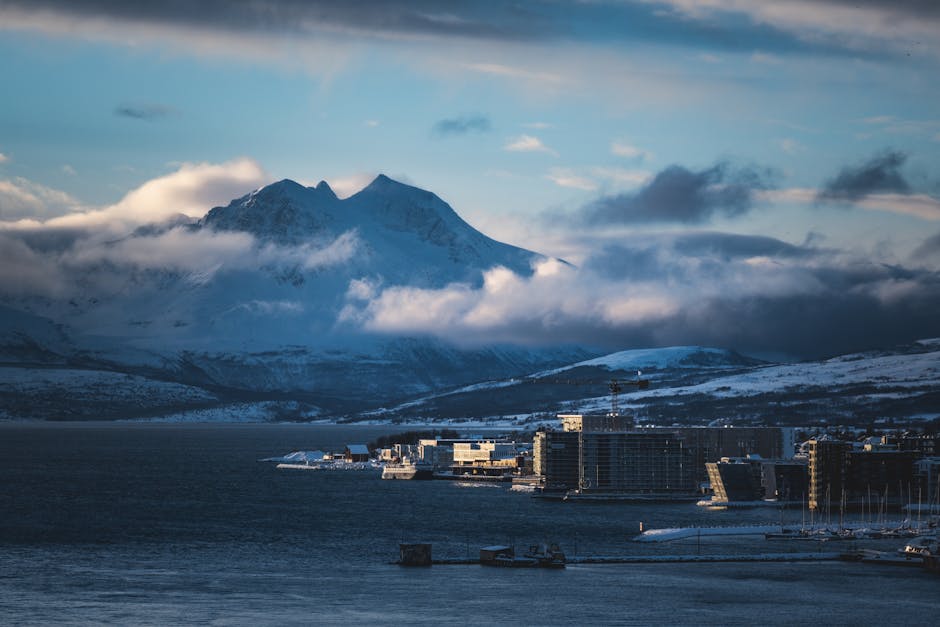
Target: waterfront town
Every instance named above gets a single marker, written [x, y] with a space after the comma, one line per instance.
[607, 457]
[851, 485]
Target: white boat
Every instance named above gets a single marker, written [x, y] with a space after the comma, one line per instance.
[407, 469]
[924, 545]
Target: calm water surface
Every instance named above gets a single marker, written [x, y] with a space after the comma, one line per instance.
[167, 524]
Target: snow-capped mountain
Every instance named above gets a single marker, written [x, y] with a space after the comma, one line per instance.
[406, 235]
[248, 301]
[239, 315]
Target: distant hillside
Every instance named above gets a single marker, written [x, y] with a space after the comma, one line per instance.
[695, 385]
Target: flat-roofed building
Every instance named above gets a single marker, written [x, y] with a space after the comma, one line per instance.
[844, 475]
[739, 479]
[556, 458]
[601, 462]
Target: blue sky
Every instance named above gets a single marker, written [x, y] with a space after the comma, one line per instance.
[564, 127]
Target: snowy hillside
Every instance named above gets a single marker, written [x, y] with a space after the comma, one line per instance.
[695, 385]
[653, 360]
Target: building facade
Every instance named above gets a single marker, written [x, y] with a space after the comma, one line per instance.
[596, 455]
[847, 475]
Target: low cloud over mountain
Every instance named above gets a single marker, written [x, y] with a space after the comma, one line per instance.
[289, 264]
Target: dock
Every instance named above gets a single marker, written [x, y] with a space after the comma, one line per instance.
[672, 559]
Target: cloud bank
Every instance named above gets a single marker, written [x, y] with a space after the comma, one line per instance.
[189, 191]
[727, 25]
[756, 294]
[678, 194]
[880, 174]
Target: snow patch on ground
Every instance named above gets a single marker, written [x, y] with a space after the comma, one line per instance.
[891, 372]
[649, 358]
[264, 411]
[97, 385]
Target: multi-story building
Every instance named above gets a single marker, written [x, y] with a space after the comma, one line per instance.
[595, 455]
[557, 459]
[847, 475]
[737, 479]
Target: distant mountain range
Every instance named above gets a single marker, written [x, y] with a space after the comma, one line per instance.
[239, 316]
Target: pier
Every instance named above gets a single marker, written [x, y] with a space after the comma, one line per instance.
[654, 559]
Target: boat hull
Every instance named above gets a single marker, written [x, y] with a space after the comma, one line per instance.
[408, 473]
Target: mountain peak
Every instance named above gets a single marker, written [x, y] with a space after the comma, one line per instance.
[324, 188]
[284, 211]
[382, 183]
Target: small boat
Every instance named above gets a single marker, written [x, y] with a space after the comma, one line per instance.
[407, 469]
[925, 545]
[538, 556]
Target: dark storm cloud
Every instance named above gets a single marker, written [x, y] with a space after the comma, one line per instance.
[462, 125]
[456, 18]
[842, 308]
[809, 325]
[144, 111]
[906, 8]
[610, 23]
[680, 195]
[881, 173]
[805, 302]
[730, 246]
[687, 256]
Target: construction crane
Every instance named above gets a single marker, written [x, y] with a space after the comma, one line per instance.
[615, 386]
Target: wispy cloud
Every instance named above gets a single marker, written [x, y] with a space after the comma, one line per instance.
[528, 143]
[3, 158]
[144, 111]
[191, 190]
[623, 149]
[920, 206]
[462, 125]
[22, 199]
[508, 71]
[595, 177]
[564, 177]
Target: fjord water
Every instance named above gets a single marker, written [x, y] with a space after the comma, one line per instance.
[126, 523]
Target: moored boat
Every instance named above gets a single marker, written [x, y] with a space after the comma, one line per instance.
[407, 469]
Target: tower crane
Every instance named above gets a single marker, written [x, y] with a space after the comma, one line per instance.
[615, 386]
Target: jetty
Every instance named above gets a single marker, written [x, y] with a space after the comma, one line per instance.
[672, 559]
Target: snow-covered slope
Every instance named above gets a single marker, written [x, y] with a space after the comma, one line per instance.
[695, 385]
[406, 235]
[653, 360]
